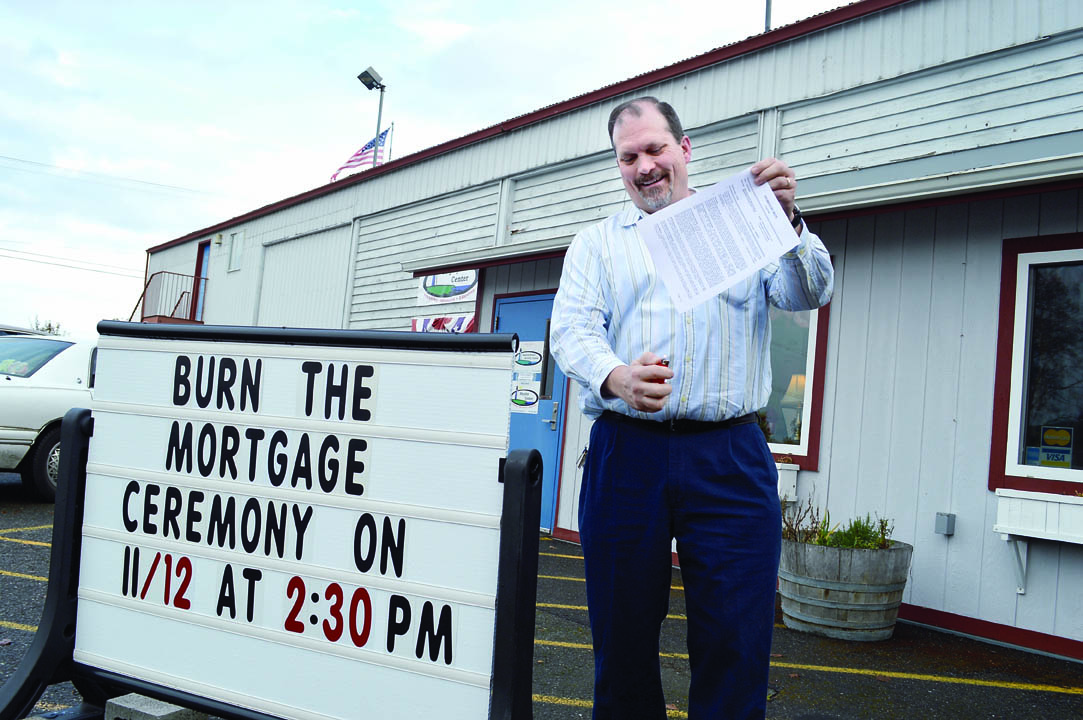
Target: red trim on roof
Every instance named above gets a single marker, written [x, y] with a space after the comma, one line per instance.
[712, 57]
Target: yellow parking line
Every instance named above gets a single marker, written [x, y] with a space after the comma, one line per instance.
[556, 606]
[50, 707]
[17, 626]
[874, 673]
[574, 702]
[25, 542]
[25, 529]
[678, 588]
[558, 555]
[934, 678]
[8, 573]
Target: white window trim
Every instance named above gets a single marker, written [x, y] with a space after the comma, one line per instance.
[802, 448]
[1012, 466]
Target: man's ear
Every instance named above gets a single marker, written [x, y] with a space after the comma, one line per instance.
[686, 147]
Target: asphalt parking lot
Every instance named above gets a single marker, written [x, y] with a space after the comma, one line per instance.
[919, 673]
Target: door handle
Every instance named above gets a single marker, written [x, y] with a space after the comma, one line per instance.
[553, 420]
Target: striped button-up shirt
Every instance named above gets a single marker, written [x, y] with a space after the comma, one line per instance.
[612, 307]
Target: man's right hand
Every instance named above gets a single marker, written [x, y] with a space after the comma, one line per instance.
[642, 384]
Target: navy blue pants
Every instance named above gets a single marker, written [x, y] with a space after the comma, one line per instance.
[716, 492]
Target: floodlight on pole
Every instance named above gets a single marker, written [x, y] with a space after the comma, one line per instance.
[372, 80]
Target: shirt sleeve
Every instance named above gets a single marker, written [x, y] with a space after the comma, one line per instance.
[802, 279]
[578, 335]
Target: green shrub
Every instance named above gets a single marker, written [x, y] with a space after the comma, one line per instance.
[802, 523]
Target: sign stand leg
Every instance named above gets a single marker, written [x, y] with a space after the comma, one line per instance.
[49, 659]
[513, 651]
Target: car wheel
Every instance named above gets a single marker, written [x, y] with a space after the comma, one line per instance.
[45, 465]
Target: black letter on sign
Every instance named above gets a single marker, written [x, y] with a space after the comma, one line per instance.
[364, 557]
[391, 546]
[179, 450]
[395, 625]
[130, 524]
[276, 530]
[204, 399]
[207, 439]
[226, 596]
[150, 509]
[253, 576]
[254, 435]
[182, 389]
[335, 390]
[302, 463]
[231, 443]
[173, 501]
[250, 541]
[195, 497]
[356, 446]
[328, 469]
[360, 392]
[223, 522]
[277, 477]
[250, 384]
[227, 375]
[435, 638]
[310, 368]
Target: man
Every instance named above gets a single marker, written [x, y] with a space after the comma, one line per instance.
[675, 451]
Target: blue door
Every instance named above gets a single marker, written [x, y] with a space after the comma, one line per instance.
[537, 394]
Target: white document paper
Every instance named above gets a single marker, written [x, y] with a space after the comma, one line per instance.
[709, 242]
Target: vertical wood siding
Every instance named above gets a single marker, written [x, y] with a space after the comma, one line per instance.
[383, 297]
[908, 404]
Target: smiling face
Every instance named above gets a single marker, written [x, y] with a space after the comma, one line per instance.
[653, 163]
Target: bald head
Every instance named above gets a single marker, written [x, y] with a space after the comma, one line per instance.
[635, 109]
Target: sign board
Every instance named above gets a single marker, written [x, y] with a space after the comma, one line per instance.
[303, 530]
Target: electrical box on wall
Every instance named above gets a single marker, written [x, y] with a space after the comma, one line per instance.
[945, 523]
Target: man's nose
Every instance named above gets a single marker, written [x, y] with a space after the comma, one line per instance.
[645, 166]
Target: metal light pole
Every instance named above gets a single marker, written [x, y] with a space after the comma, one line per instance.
[767, 18]
[372, 80]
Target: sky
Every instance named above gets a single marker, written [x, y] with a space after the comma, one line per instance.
[124, 125]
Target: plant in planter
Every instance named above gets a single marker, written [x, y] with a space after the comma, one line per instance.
[840, 582]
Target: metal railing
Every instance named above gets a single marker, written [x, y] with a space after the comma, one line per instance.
[171, 296]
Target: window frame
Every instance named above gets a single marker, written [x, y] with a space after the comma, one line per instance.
[1005, 472]
[806, 456]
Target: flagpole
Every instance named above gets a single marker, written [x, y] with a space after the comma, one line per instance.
[390, 137]
[379, 118]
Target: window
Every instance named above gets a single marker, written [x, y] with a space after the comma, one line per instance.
[791, 420]
[236, 246]
[1038, 402]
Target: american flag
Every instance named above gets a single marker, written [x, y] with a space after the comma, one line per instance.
[364, 155]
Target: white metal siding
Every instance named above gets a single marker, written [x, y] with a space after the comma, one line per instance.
[304, 280]
[383, 296]
[1010, 97]
[908, 402]
[533, 276]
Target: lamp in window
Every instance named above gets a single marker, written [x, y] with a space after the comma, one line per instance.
[794, 396]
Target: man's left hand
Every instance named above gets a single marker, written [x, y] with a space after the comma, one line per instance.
[780, 178]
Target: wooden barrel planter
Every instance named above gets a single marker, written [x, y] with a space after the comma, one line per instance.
[842, 592]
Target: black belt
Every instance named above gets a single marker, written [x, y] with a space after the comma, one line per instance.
[680, 425]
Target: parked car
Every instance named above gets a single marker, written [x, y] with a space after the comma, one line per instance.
[41, 378]
[16, 330]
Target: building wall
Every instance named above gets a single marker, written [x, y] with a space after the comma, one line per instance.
[382, 296]
[908, 401]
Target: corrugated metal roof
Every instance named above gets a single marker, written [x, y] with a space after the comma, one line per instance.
[751, 44]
